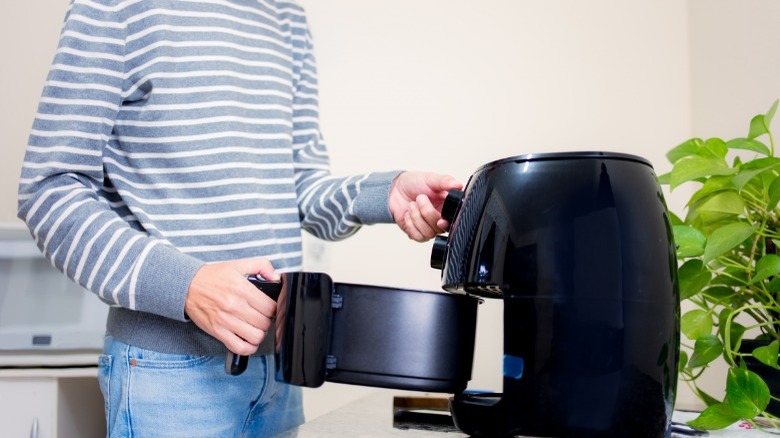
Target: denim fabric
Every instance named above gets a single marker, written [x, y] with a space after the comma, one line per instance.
[150, 394]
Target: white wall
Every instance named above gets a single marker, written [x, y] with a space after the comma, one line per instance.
[448, 85]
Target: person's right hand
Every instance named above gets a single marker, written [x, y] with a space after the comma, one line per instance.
[225, 305]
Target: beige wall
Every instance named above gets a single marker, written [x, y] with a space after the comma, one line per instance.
[735, 74]
[735, 64]
[448, 85]
[28, 39]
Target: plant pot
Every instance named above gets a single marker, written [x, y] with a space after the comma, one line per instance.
[771, 376]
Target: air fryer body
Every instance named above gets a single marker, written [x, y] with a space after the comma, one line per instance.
[579, 248]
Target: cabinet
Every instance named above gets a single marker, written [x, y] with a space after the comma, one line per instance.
[51, 403]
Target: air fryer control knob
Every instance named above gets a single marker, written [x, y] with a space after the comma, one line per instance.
[451, 205]
[439, 252]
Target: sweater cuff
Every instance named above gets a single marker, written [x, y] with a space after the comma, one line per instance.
[167, 274]
[371, 205]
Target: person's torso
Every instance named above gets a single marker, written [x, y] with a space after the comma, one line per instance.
[201, 153]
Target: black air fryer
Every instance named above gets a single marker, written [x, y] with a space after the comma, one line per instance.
[579, 248]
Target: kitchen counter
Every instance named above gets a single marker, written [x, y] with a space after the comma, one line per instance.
[372, 416]
[49, 358]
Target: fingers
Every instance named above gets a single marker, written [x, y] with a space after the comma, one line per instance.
[406, 190]
[252, 312]
[422, 220]
[243, 318]
[225, 305]
[244, 340]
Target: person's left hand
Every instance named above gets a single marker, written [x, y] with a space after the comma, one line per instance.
[415, 202]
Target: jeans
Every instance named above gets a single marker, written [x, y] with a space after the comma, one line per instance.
[150, 394]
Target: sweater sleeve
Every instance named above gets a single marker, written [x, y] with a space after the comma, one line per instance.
[330, 207]
[63, 197]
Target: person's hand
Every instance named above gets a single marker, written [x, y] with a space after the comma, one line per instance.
[415, 202]
[225, 305]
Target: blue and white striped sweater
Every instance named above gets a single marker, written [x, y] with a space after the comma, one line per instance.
[173, 133]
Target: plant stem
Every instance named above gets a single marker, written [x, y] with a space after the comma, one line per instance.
[728, 352]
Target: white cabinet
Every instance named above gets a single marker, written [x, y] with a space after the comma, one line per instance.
[51, 403]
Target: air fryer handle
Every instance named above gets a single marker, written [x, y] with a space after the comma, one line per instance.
[236, 364]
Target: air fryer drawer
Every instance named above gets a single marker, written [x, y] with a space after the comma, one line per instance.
[373, 336]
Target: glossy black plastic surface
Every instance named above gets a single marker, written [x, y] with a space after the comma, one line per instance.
[404, 339]
[303, 315]
[579, 248]
[451, 204]
[373, 336]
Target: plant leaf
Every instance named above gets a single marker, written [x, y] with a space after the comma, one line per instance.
[665, 178]
[746, 392]
[726, 238]
[716, 416]
[768, 354]
[696, 323]
[712, 185]
[675, 220]
[753, 168]
[719, 293]
[774, 194]
[750, 145]
[708, 399]
[759, 125]
[706, 349]
[714, 147]
[689, 147]
[771, 113]
[690, 241]
[683, 361]
[731, 276]
[693, 276]
[694, 166]
[767, 266]
[726, 202]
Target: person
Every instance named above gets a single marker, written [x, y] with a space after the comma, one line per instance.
[176, 150]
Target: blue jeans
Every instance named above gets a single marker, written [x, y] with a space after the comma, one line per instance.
[150, 394]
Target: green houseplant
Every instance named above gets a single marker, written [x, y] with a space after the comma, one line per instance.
[728, 247]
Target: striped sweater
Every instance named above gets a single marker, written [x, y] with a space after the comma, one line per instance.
[173, 133]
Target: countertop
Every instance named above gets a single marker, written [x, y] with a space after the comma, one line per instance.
[372, 416]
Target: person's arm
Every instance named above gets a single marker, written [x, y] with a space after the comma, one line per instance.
[334, 208]
[63, 197]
